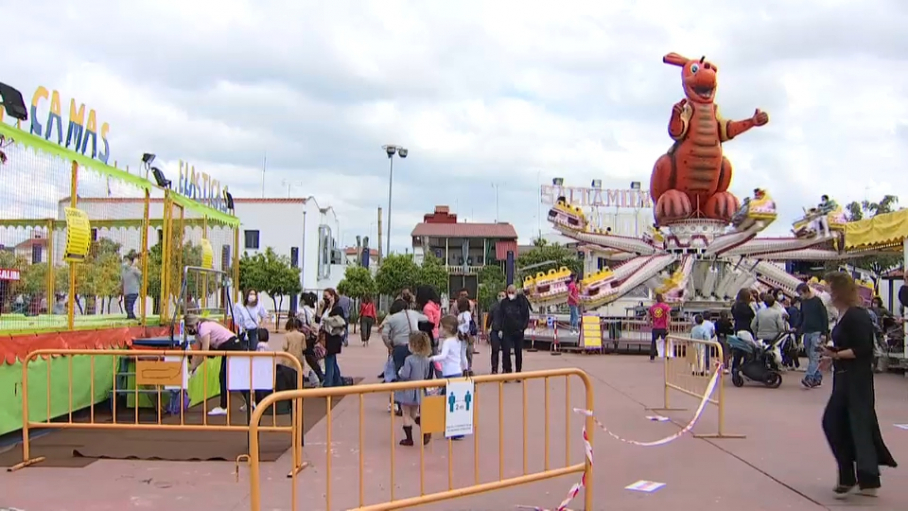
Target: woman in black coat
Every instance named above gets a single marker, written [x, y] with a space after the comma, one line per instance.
[741, 311]
[850, 422]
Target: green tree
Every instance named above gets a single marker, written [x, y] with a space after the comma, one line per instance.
[191, 256]
[357, 283]
[546, 256]
[396, 272]
[252, 272]
[492, 281]
[433, 273]
[8, 259]
[280, 279]
[33, 279]
[99, 276]
[879, 263]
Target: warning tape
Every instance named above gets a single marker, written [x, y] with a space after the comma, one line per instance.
[588, 448]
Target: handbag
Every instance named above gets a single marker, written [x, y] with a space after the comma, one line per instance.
[318, 351]
[390, 373]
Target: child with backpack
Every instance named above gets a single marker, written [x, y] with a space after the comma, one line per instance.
[417, 367]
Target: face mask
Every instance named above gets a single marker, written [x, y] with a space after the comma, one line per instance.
[500, 298]
[511, 297]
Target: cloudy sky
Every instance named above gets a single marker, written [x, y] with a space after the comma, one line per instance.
[506, 93]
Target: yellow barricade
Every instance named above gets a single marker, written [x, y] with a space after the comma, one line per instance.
[156, 376]
[432, 421]
[689, 365]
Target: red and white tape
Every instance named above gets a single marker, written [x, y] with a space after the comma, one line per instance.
[575, 489]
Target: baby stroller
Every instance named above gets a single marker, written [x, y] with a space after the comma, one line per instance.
[756, 361]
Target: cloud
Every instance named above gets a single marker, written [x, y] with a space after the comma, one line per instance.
[482, 93]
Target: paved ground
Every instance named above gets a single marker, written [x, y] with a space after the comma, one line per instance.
[783, 464]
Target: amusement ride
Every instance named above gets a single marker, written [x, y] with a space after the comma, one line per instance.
[703, 246]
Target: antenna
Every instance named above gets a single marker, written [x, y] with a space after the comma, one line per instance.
[264, 164]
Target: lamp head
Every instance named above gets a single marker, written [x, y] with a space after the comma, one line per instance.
[402, 152]
[160, 178]
[148, 158]
[390, 149]
[12, 102]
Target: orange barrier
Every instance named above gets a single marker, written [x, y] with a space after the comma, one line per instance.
[433, 420]
[688, 367]
[159, 374]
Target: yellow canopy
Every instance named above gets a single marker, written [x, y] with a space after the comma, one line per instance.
[881, 231]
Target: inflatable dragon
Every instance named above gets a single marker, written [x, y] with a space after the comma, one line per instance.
[692, 178]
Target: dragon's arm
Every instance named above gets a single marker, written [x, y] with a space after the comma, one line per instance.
[731, 129]
[678, 124]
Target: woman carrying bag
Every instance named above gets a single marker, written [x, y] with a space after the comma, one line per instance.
[248, 317]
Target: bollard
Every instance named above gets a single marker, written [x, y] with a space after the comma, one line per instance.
[533, 338]
[555, 348]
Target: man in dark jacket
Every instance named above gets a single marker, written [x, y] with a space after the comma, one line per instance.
[815, 327]
[514, 313]
[494, 329]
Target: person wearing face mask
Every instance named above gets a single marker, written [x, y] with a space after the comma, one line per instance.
[493, 326]
[211, 335]
[514, 317]
[332, 326]
[249, 315]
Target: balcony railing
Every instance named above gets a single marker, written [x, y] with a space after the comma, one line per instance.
[463, 270]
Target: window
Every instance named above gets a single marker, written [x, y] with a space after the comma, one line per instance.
[37, 253]
[252, 239]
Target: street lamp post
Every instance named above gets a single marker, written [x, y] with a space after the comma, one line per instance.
[635, 186]
[402, 152]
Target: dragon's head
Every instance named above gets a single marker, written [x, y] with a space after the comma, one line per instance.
[697, 76]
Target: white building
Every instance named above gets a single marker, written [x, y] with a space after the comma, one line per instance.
[298, 228]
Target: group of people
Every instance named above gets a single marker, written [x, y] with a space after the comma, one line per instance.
[424, 343]
[315, 336]
[838, 334]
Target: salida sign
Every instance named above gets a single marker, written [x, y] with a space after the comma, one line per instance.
[9, 274]
[596, 197]
[82, 135]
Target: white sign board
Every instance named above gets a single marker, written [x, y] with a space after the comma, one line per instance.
[185, 365]
[645, 486]
[250, 373]
[459, 407]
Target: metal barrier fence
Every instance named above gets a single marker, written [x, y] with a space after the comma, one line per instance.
[157, 376]
[616, 333]
[689, 365]
[433, 421]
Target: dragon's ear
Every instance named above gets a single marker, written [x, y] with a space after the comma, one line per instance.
[674, 59]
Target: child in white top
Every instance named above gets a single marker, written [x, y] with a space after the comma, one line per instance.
[452, 356]
[464, 320]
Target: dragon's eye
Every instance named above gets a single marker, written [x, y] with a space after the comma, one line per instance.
[694, 68]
